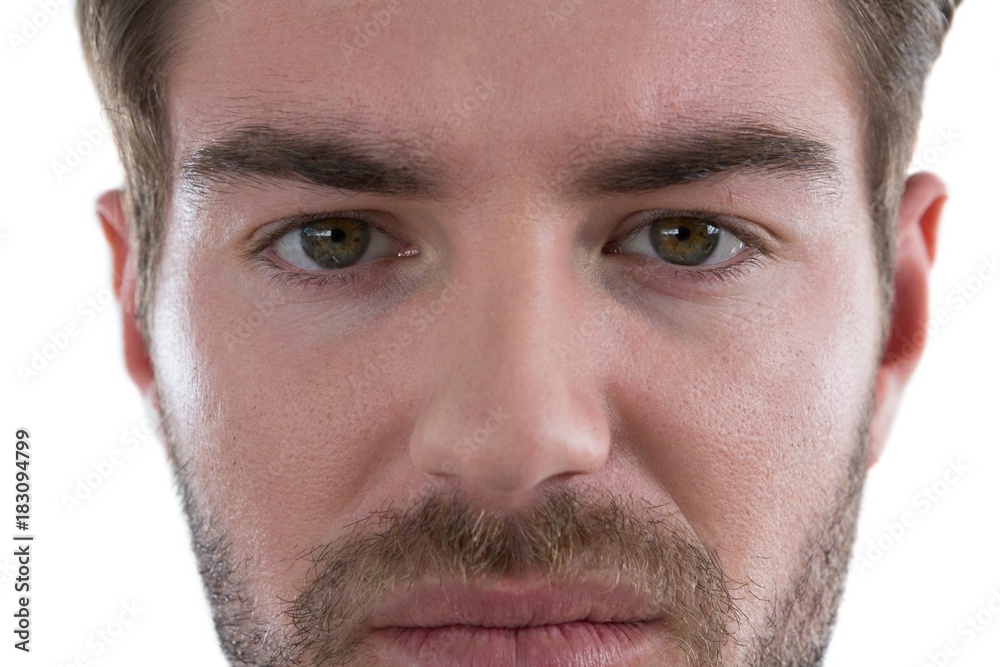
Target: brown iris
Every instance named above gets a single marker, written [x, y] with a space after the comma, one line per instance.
[687, 241]
[336, 242]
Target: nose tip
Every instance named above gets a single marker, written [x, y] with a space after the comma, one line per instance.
[512, 446]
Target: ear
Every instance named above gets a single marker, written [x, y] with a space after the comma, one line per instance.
[116, 231]
[916, 240]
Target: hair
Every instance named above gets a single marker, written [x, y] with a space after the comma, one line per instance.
[890, 46]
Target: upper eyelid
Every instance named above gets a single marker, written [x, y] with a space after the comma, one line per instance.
[282, 227]
[734, 226]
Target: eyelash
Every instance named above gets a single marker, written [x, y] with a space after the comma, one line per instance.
[353, 275]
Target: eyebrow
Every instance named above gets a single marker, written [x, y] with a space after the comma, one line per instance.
[358, 161]
[657, 160]
[345, 159]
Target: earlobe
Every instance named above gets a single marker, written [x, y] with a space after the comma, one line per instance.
[115, 225]
[916, 242]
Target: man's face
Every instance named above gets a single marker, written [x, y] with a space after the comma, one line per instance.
[508, 430]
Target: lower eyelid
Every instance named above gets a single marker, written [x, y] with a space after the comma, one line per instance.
[659, 272]
[345, 277]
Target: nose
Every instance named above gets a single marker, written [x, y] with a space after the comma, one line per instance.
[514, 399]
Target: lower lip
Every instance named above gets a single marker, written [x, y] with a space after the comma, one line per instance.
[576, 643]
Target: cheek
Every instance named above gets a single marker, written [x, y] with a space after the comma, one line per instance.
[746, 414]
[280, 441]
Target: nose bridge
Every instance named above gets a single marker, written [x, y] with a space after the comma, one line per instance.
[510, 405]
[522, 300]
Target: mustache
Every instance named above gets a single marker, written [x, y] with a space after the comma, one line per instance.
[567, 534]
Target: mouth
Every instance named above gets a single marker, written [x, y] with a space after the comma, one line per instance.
[522, 622]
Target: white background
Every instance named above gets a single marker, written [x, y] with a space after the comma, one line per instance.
[127, 542]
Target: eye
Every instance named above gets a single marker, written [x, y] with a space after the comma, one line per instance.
[684, 240]
[333, 242]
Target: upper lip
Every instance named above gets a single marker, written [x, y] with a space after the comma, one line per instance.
[512, 603]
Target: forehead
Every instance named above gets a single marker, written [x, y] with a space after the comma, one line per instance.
[508, 87]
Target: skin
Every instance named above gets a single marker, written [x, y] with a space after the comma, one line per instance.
[735, 406]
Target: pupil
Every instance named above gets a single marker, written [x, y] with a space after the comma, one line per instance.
[683, 233]
[338, 235]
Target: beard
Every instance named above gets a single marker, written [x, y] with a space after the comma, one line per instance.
[567, 534]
